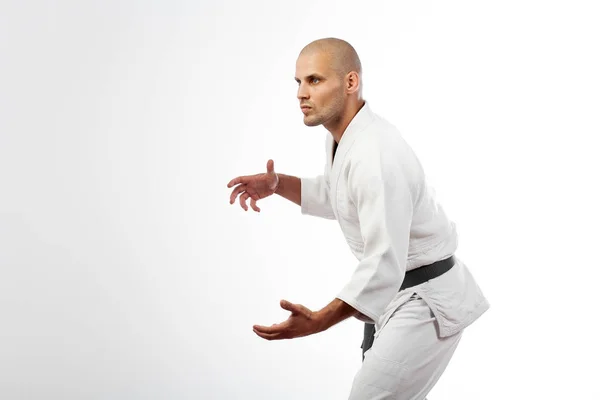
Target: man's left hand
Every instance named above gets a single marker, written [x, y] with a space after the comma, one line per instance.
[302, 322]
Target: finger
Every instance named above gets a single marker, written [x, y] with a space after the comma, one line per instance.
[253, 205]
[235, 181]
[243, 199]
[270, 336]
[275, 328]
[235, 193]
[270, 166]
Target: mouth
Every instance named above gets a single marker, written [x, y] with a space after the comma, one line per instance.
[305, 109]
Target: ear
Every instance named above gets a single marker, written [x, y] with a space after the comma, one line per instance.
[352, 82]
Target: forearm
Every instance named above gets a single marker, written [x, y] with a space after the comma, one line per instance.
[289, 188]
[335, 312]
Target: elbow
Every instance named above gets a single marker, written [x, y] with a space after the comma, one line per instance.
[393, 269]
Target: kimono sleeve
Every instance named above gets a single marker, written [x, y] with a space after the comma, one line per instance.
[383, 200]
[314, 197]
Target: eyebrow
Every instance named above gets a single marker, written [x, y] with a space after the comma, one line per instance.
[311, 76]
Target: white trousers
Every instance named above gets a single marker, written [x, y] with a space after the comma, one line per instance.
[407, 357]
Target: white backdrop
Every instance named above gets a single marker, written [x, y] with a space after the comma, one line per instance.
[124, 271]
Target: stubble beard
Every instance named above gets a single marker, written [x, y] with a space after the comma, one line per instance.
[328, 113]
[313, 120]
[321, 118]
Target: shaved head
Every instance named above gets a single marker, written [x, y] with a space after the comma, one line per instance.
[328, 72]
[341, 55]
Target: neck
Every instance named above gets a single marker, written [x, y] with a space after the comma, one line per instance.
[339, 125]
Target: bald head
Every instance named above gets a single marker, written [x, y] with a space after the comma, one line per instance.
[328, 72]
[340, 54]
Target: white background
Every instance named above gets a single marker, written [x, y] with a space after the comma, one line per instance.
[124, 271]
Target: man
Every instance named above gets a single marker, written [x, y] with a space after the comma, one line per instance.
[413, 294]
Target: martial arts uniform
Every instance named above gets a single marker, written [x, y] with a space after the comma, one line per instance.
[376, 189]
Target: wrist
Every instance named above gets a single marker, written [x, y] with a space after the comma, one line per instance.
[322, 323]
[333, 313]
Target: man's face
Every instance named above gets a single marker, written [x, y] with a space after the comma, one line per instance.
[320, 89]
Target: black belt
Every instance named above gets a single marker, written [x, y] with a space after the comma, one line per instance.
[412, 278]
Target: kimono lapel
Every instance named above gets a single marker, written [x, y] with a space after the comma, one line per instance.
[361, 120]
[329, 146]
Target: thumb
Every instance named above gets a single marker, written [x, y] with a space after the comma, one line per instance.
[286, 305]
[297, 309]
[270, 166]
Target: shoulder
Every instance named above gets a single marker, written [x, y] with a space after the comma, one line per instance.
[380, 142]
[382, 153]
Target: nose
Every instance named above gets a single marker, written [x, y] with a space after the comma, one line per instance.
[302, 92]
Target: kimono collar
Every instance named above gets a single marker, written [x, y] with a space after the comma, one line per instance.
[360, 121]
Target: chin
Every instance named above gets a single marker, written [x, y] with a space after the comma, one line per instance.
[311, 122]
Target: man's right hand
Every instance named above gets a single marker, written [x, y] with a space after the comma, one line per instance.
[255, 187]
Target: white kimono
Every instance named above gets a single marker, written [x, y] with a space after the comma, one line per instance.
[375, 188]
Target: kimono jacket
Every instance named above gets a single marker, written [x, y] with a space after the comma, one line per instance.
[376, 189]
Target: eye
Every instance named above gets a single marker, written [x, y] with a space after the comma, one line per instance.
[315, 80]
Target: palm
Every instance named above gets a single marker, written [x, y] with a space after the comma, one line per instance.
[259, 185]
[255, 187]
[300, 323]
